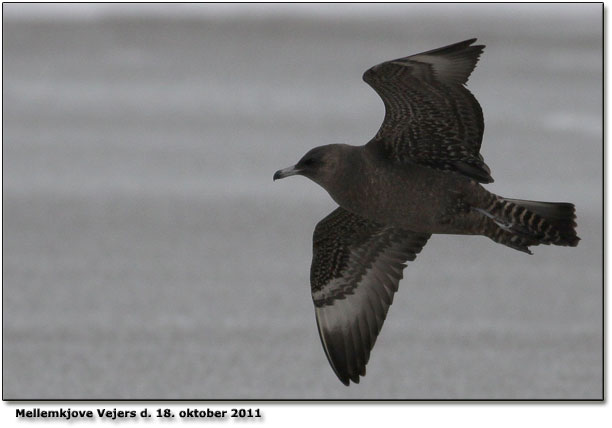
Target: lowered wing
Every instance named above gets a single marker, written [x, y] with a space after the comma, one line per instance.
[356, 267]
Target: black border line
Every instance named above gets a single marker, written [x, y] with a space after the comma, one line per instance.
[332, 401]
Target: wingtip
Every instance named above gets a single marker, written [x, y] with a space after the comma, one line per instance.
[347, 378]
[343, 375]
[469, 46]
[470, 42]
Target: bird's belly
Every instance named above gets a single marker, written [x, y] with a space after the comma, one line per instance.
[428, 202]
[423, 212]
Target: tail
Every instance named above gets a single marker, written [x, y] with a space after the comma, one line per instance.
[520, 224]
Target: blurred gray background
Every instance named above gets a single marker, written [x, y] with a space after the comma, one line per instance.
[148, 254]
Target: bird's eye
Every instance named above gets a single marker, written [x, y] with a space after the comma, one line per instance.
[308, 161]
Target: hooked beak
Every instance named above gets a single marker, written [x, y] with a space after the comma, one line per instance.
[282, 173]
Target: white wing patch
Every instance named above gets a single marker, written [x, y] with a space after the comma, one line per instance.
[350, 310]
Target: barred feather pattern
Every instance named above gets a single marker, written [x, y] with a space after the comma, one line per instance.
[520, 224]
[356, 268]
[431, 118]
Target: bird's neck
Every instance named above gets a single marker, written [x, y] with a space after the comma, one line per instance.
[350, 179]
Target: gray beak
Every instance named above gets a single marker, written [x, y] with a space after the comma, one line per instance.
[282, 173]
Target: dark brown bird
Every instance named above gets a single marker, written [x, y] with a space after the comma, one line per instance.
[419, 175]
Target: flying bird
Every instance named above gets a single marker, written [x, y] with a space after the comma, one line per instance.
[421, 174]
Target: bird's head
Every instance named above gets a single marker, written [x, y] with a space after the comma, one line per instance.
[321, 164]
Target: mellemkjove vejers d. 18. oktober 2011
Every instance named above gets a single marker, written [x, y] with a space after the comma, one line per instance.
[114, 414]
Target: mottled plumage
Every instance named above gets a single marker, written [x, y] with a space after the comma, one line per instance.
[419, 175]
[356, 268]
[431, 118]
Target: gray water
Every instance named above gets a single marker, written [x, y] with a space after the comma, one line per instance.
[148, 254]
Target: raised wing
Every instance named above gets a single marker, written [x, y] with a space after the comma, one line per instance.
[430, 116]
[356, 267]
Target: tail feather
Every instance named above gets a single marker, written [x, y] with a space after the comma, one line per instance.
[549, 210]
[519, 224]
